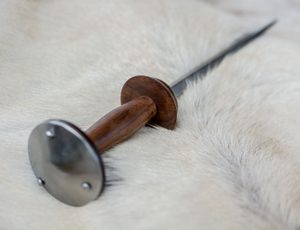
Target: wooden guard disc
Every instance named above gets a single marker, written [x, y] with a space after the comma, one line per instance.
[159, 92]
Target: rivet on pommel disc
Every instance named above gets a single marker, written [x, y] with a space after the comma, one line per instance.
[159, 92]
[66, 163]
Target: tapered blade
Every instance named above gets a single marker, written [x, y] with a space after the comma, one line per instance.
[200, 71]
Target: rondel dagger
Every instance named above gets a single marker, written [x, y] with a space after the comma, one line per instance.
[67, 161]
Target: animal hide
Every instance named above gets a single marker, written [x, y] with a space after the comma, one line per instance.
[231, 163]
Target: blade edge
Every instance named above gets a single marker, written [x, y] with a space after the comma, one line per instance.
[200, 71]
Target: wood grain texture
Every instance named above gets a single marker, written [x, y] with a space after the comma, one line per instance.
[122, 122]
[159, 92]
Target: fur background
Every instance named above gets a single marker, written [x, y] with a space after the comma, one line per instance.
[232, 162]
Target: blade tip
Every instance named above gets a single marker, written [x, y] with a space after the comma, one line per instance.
[273, 22]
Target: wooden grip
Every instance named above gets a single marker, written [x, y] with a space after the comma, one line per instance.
[122, 122]
[144, 99]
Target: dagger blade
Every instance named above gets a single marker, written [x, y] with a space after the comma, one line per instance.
[200, 71]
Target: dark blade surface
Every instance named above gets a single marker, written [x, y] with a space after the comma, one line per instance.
[200, 71]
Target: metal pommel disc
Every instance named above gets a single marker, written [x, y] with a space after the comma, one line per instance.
[66, 163]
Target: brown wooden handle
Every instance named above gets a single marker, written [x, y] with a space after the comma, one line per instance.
[121, 123]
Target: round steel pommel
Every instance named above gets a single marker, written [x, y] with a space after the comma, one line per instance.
[66, 162]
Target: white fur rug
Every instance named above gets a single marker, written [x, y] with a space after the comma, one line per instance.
[233, 162]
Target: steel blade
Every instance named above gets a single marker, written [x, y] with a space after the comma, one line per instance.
[200, 71]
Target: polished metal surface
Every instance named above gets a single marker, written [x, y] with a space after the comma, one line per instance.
[66, 163]
[200, 71]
